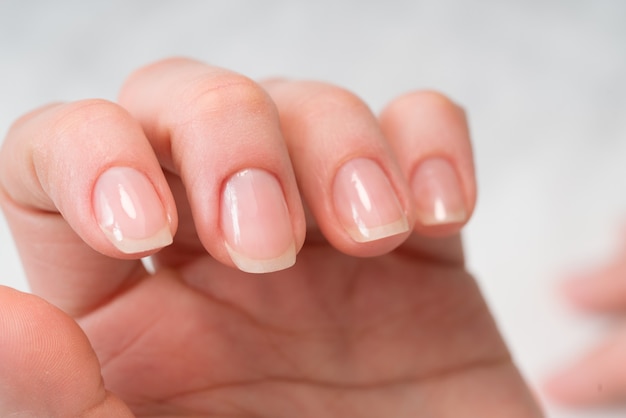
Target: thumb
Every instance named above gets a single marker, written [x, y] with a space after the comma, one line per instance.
[47, 365]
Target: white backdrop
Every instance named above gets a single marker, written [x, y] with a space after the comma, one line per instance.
[544, 83]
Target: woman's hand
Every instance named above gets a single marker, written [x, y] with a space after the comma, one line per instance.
[377, 318]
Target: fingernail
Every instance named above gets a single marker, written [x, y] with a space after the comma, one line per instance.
[130, 212]
[438, 195]
[256, 223]
[366, 203]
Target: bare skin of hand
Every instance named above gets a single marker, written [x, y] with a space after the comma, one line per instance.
[378, 316]
[599, 377]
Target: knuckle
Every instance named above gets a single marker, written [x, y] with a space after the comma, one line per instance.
[426, 104]
[226, 93]
[80, 126]
[438, 101]
[55, 128]
[328, 100]
[169, 62]
[435, 101]
[86, 112]
[26, 119]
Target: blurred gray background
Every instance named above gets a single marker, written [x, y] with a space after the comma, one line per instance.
[544, 84]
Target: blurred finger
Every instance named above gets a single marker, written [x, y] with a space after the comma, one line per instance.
[603, 290]
[47, 367]
[598, 378]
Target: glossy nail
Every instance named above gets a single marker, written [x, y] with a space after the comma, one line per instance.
[438, 195]
[130, 212]
[256, 223]
[366, 203]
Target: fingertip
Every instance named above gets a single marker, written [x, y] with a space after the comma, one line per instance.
[267, 265]
[86, 197]
[554, 387]
[600, 290]
[130, 212]
[575, 290]
[440, 201]
[431, 140]
[48, 366]
[571, 387]
[93, 164]
[366, 203]
[594, 379]
[257, 223]
[357, 195]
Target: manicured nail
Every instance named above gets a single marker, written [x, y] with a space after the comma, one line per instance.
[130, 212]
[256, 223]
[438, 195]
[366, 203]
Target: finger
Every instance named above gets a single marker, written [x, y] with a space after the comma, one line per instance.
[345, 169]
[80, 177]
[430, 138]
[603, 290]
[48, 367]
[219, 132]
[598, 378]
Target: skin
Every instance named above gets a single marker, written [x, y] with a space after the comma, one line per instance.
[392, 327]
[598, 377]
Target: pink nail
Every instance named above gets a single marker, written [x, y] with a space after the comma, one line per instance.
[438, 195]
[366, 203]
[130, 212]
[256, 223]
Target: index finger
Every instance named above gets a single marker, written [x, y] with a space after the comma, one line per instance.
[59, 166]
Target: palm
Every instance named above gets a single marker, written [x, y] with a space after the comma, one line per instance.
[333, 336]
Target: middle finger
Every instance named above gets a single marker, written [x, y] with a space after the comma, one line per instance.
[219, 133]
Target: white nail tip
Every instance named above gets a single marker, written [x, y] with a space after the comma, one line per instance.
[249, 265]
[161, 239]
[442, 216]
[364, 234]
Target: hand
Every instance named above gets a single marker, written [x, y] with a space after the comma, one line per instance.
[599, 377]
[378, 317]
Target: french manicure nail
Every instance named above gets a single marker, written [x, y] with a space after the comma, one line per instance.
[365, 202]
[130, 212]
[438, 195]
[256, 223]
